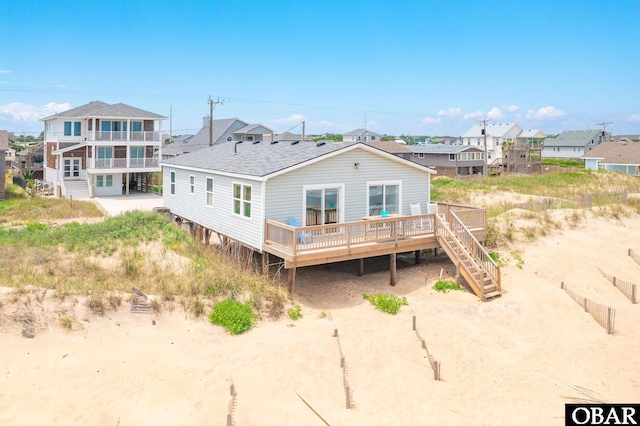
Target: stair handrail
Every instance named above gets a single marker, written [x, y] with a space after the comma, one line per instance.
[478, 251]
[459, 251]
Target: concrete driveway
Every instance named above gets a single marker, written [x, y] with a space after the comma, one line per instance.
[143, 201]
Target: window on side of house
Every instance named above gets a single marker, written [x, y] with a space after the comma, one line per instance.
[192, 184]
[109, 180]
[210, 192]
[242, 199]
[173, 183]
[383, 196]
[77, 128]
[452, 157]
[67, 128]
[99, 181]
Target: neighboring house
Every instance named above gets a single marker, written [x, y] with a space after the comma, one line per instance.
[530, 137]
[31, 160]
[496, 135]
[572, 143]
[101, 149]
[4, 146]
[10, 155]
[449, 160]
[286, 137]
[393, 147]
[223, 131]
[446, 140]
[619, 157]
[627, 138]
[361, 135]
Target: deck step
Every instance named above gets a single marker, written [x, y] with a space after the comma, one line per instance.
[492, 294]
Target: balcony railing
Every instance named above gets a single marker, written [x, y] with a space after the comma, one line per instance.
[123, 163]
[108, 136]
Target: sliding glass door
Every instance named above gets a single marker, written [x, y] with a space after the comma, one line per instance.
[322, 205]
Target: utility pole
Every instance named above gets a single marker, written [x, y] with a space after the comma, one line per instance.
[303, 132]
[604, 130]
[212, 105]
[484, 134]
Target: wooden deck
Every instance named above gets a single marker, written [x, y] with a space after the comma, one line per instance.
[458, 229]
[313, 245]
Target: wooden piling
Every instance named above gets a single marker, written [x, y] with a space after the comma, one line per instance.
[291, 280]
[392, 269]
[360, 267]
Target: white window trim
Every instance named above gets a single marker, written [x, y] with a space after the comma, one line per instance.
[341, 199]
[384, 182]
[206, 191]
[233, 199]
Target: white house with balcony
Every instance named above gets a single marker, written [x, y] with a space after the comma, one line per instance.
[101, 149]
[496, 135]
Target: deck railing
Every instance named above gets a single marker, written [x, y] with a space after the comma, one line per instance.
[475, 249]
[121, 163]
[295, 240]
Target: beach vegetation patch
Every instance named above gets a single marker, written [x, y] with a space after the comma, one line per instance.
[445, 286]
[386, 302]
[233, 316]
[295, 313]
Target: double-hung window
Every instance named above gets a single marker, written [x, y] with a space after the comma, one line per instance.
[210, 192]
[192, 184]
[242, 199]
[173, 183]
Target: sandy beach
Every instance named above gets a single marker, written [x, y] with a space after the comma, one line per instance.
[517, 359]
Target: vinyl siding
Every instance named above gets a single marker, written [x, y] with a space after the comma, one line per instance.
[220, 217]
[284, 193]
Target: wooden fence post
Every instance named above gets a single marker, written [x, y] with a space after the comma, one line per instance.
[614, 281]
[585, 305]
[609, 325]
[348, 397]
[414, 322]
[436, 370]
[634, 293]
[562, 285]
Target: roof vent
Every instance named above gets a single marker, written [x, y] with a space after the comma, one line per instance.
[274, 142]
[320, 143]
[295, 142]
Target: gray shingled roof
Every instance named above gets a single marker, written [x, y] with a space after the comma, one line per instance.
[442, 149]
[616, 153]
[573, 138]
[98, 109]
[201, 139]
[362, 132]
[255, 159]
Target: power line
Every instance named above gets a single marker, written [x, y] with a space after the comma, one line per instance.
[604, 129]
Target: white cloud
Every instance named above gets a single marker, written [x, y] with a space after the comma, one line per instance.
[494, 113]
[429, 120]
[25, 113]
[635, 118]
[510, 108]
[5, 72]
[451, 112]
[474, 115]
[545, 113]
[292, 119]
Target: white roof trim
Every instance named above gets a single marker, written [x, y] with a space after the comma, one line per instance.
[69, 148]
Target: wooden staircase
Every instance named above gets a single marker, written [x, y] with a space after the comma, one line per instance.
[470, 257]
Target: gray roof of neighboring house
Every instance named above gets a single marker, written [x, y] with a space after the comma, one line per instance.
[362, 132]
[496, 130]
[262, 159]
[201, 139]
[287, 136]
[616, 153]
[442, 149]
[250, 129]
[98, 109]
[573, 138]
[392, 147]
[4, 139]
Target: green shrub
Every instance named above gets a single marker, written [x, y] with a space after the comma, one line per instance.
[496, 258]
[295, 313]
[233, 316]
[386, 302]
[445, 285]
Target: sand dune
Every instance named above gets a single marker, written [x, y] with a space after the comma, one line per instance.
[515, 360]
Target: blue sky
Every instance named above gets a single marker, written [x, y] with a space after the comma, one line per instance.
[406, 67]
